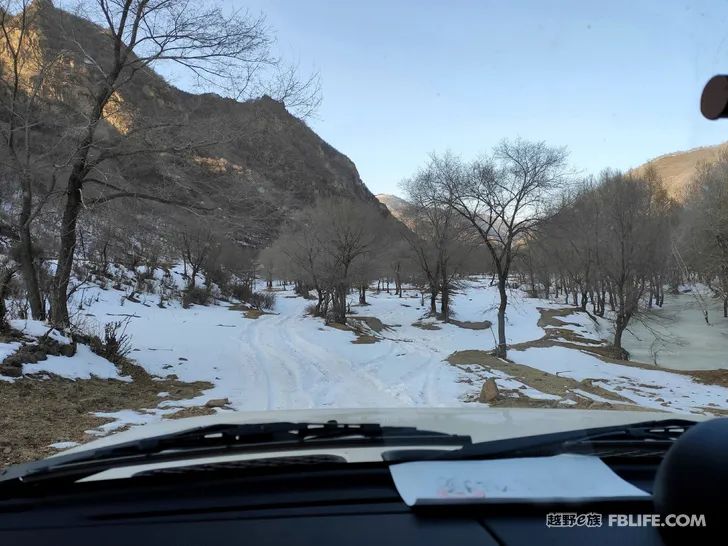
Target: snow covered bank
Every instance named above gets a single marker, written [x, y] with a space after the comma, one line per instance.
[677, 337]
[647, 388]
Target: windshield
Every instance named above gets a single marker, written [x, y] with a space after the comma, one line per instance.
[257, 206]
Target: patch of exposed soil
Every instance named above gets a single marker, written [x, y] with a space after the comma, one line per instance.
[426, 325]
[470, 325]
[37, 412]
[193, 411]
[374, 323]
[541, 381]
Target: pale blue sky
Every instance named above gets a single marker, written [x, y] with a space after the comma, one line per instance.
[617, 82]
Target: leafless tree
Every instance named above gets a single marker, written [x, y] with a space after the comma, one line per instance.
[505, 197]
[437, 235]
[703, 233]
[330, 246]
[7, 270]
[637, 218]
[27, 160]
[222, 51]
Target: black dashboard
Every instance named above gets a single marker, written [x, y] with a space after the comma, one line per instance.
[352, 504]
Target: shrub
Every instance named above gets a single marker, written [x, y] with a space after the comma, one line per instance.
[241, 291]
[114, 346]
[196, 295]
[262, 300]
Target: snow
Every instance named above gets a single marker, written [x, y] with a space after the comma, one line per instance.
[6, 349]
[654, 389]
[586, 325]
[124, 418]
[288, 360]
[677, 337]
[64, 445]
[83, 365]
[37, 328]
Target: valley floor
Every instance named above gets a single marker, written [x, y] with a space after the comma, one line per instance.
[390, 355]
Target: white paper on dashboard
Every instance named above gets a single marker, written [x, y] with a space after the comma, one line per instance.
[563, 476]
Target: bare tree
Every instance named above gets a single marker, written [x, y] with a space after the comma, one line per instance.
[704, 230]
[436, 235]
[28, 161]
[637, 216]
[222, 51]
[7, 270]
[504, 197]
[330, 246]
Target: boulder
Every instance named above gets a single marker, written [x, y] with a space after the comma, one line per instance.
[217, 403]
[489, 392]
[68, 350]
[11, 371]
[40, 354]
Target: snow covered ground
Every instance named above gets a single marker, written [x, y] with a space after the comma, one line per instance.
[288, 360]
[655, 389]
[677, 337]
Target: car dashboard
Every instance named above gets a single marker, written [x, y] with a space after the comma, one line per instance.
[318, 505]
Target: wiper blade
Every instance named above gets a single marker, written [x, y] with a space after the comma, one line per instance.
[211, 440]
[649, 438]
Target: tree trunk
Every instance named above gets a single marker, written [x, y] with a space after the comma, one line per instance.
[339, 303]
[532, 280]
[30, 274]
[584, 300]
[445, 301]
[6, 275]
[501, 350]
[433, 301]
[725, 307]
[26, 255]
[363, 294]
[620, 325]
[59, 303]
[193, 278]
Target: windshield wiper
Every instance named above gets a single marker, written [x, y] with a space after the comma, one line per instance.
[645, 439]
[227, 438]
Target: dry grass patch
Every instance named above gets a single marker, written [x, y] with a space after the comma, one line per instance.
[365, 339]
[340, 326]
[193, 411]
[248, 312]
[38, 412]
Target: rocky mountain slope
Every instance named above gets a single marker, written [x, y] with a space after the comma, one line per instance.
[252, 161]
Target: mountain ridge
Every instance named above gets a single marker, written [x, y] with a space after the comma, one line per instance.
[678, 168]
[252, 160]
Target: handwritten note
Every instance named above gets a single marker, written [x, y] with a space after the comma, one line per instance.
[534, 478]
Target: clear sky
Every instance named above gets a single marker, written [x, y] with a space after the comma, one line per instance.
[617, 82]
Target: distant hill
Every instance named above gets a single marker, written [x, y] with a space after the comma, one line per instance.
[396, 205]
[678, 168]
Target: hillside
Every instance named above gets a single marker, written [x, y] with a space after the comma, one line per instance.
[396, 205]
[252, 161]
[677, 169]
